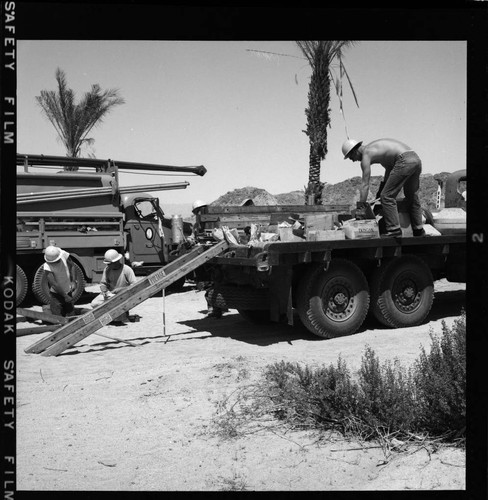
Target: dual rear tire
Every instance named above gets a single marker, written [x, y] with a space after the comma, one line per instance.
[402, 292]
[335, 302]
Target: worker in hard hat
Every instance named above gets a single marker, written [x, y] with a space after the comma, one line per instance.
[198, 208]
[116, 276]
[402, 170]
[197, 205]
[61, 277]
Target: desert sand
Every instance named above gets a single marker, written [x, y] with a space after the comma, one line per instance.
[107, 416]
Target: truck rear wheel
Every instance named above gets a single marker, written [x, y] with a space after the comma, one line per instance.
[304, 294]
[21, 285]
[334, 302]
[402, 292]
[40, 286]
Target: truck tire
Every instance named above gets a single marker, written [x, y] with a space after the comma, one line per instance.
[335, 302]
[238, 297]
[402, 292]
[257, 316]
[304, 294]
[40, 286]
[21, 285]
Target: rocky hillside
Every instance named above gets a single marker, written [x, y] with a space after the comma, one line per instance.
[345, 192]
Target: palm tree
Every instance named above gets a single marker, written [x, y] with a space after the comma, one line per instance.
[74, 121]
[320, 55]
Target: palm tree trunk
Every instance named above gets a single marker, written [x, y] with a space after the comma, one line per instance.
[313, 194]
[314, 168]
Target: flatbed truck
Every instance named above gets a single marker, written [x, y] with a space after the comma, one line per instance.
[332, 285]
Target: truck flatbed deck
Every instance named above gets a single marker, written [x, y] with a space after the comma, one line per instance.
[284, 253]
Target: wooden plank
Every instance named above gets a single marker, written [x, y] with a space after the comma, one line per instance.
[21, 332]
[92, 321]
[100, 312]
[44, 316]
[160, 281]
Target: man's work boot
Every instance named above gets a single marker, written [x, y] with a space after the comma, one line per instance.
[393, 234]
[214, 312]
[419, 232]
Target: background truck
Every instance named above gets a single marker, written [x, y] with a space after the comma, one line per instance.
[86, 213]
[333, 284]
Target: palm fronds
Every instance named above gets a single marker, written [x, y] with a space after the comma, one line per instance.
[320, 55]
[74, 121]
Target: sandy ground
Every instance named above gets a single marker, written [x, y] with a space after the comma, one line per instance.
[107, 416]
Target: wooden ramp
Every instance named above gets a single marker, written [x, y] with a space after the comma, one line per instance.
[78, 329]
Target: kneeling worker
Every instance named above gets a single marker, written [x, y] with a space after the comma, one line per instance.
[402, 169]
[60, 274]
[116, 276]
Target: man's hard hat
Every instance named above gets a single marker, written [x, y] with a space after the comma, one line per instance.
[349, 145]
[52, 254]
[111, 256]
[198, 204]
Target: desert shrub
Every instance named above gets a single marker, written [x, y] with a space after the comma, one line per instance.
[387, 394]
[304, 396]
[440, 381]
[384, 398]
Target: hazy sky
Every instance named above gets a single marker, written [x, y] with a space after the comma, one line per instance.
[242, 113]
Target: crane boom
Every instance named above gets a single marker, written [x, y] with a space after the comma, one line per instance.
[105, 165]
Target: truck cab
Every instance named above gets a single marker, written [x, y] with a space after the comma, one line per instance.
[148, 231]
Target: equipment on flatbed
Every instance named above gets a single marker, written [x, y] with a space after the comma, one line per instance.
[85, 213]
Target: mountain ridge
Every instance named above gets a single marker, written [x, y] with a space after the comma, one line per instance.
[342, 193]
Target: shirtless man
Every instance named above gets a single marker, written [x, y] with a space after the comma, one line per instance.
[402, 169]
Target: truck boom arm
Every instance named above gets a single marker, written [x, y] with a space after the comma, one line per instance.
[65, 161]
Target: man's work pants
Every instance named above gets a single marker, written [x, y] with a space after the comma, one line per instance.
[404, 174]
[59, 306]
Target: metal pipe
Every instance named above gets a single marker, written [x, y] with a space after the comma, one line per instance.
[62, 161]
[105, 190]
[25, 198]
[64, 194]
[153, 187]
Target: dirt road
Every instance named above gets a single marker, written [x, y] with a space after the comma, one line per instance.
[107, 416]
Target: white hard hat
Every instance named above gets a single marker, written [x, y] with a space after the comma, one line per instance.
[111, 256]
[349, 145]
[198, 204]
[52, 254]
